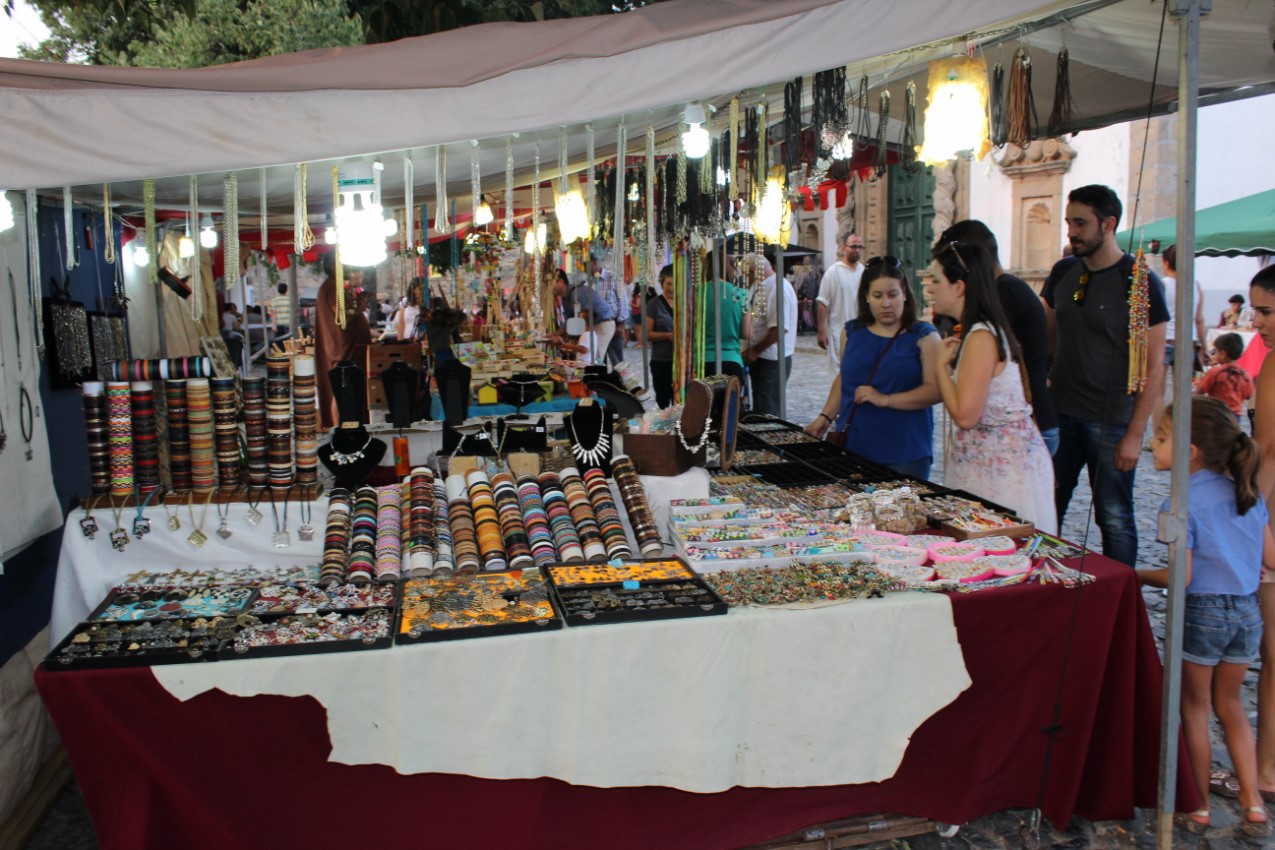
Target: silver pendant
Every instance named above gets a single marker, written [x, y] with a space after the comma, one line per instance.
[197, 538]
[119, 539]
[253, 516]
[305, 532]
[88, 525]
[223, 530]
[174, 524]
[141, 527]
[282, 540]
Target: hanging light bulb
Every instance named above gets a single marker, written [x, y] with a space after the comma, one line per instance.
[573, 216]
[483, 215]
[773, 214]
[6, 211]
[695, 139]
[535, 239]
[207, 233]
[634, 195]
[956, 116]
[329, 230]
[844, 148]
[723, 179]
[360, 224]
[185, 247]
[141, 254]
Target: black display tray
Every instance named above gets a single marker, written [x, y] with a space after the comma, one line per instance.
[792, 474]
[479, 630]
[565, 596]
[167, 597]
[745, 440]
[810, 451]
[371, 587]
[230, 652]
[59, 660]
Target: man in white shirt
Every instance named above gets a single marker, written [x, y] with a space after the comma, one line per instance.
[838, 294]
[762, 353]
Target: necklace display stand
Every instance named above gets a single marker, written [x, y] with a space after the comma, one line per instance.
[352, 454]
[590, 428]
[401, 394]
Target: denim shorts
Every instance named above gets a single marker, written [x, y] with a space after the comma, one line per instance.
[1219, 627]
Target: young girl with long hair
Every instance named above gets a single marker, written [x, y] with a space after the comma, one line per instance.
[1228, 542]
[997, 451]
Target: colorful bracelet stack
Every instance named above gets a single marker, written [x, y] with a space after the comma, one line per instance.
[178, 436]
[226, 432]
[486, 521]
[145, 436]
[119, 424]
[254, 417]
[305, 415]
[633, 494]
[608, 515]
[444, 563]
[389, 532]
[362, 560]
[513, 531]
[95, 425]
[420, 522]
[279, 421]
[336, 540]
[582, 515]
[461, 518]
[565, 537]
[199, 418]
[162, 370]
[539, 534]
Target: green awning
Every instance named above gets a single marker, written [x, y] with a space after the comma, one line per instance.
[1243, 227]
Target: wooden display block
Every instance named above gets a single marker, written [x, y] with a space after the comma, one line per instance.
[382, 355]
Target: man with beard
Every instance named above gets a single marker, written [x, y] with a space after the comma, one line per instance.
[1100, 424]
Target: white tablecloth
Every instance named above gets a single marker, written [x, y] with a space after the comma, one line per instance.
[755, 698]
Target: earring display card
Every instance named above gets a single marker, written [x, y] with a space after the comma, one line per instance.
[633, 591]
[482, 605]
[106, 645]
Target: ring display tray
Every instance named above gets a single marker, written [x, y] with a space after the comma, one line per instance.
[792, 474]
[170, 603]
[475, 605]
[637, 590]
[105, 645]
[313, 598]
[310, 634]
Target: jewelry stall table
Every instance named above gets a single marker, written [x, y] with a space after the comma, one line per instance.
[218, 770]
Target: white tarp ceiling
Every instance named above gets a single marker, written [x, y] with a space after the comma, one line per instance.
[81, 125]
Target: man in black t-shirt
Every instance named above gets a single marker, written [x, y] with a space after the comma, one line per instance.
[1101, 425]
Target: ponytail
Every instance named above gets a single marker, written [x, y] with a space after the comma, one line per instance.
[1243, 464]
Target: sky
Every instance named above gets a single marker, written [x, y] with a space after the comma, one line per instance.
[23, 28]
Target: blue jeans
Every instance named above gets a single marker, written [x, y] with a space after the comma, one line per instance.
[1219, 627]
[764, 376]
[1083, 444]
[1050, 436]
[916, 468]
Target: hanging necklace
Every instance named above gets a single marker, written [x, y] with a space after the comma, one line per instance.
[223, 520]
[26, 418]
[598, 451]
[88, 525]
[119, 537]
[174, 521]
[345, 459]
[703, 437]
[281, 539]
[305, 531]
[142, 524]
[253, 515]
[197, 537]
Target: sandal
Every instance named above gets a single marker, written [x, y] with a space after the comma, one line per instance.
[1254, 828]
[1224, 783]
[1196, 823]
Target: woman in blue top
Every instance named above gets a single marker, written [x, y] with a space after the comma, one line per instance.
[1228, 544]
[882, 397]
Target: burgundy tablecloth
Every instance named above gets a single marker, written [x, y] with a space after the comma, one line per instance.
[226, 772]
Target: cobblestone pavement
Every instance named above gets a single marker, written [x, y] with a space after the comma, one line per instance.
[68, 825]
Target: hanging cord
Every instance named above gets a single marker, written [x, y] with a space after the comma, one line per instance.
[537, 264]
[1000, 132]
[197, 267]
[591, 195]
[1061, 116]
[409, 203]
[338, 271]
[230, 228]
[302, 235]
[1146, 130]
[732, 164]
[907, 156]
[792, 125]
[265, 218]
[34, 285]
[1021, 114]
[509, 188]
[148, 203]
[863, 119]
[108, 226]
[881, 161]
[68, 223]
[617, 233]
[475, 183]
[828, 115]
[441, 224]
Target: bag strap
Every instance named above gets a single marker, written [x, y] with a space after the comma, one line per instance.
[875, 366]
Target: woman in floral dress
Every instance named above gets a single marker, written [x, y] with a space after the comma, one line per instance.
[997, 451]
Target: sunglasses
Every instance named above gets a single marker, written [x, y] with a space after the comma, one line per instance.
[1082, 286]
[892, 262]
[951, 246]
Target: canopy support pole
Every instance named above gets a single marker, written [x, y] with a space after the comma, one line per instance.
[781, 303]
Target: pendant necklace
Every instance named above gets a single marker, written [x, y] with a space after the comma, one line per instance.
[594, 455]
[174, 521]
[305, 531]
[197, 538]
[142, 524]
[345, 459]
[223, 520]
[703, 437]
[253, 515]
[88, 525]
[119, 537]
[281, 539]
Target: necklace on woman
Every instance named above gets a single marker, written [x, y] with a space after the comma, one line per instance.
[598, 452]
[197, 538]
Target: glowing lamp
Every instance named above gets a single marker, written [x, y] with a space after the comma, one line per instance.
[483, 215]
[695, 139]
[573, 216]
[774, 218]
[185, 247]
[207, 235]
[535, 238]
[360, 222]
[956, 116]
[141, 254]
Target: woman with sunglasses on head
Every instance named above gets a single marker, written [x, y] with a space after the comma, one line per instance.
[997, 451]
[882, 398]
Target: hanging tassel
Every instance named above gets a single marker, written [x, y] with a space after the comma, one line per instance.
[148, 210]
[265, 219]
[509, 188]
[996, 105]
[475, 183]
[828, 115]
[108, 225]
[230, 248]
[1139, 313]
[732, 164]
[441, 224]
[197, 270]
[539, 259]
[591, 196]
[1021, 114]
[409, 203]
[35, 287]
[68, 222]
[881, 160]
[907, 155]
[338, 270]
[792, 125]
[651, 259]
[1060, 117]
[863, 119]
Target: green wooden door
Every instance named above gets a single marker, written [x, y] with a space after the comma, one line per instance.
[911, 198]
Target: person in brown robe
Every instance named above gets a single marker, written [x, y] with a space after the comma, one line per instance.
[331, 343]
